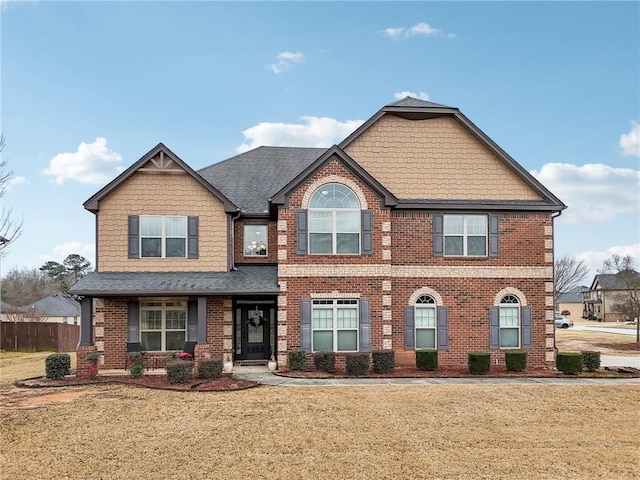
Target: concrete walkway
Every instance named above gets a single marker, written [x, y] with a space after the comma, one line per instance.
[263, 376]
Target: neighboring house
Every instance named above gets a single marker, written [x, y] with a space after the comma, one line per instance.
[56, 308]
[7, 312]
[606, 291]
[416, 231]
[571, 302]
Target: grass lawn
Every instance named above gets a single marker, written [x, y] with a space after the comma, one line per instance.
[18, 366]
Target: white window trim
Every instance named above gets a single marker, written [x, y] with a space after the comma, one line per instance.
[432, 306]
[335, 232]
[163, 237]
[163, 328]
[335, 306]
[502, 306]
[465, 236]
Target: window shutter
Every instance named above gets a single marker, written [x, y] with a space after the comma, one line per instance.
[365, 325]
[305, 325]
[443, 328]
[438, 236]
[202, 320]
[494, 328]
[367, 232]
[527, 335]
[134, 236]
[409, 329]
[133, 322]
[302, 232]
[494, 236]
[192, 237]
[192, 321]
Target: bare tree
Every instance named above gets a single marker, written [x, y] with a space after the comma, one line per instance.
[627, 300]
[568, 273]
[10, 229]
[21, 287]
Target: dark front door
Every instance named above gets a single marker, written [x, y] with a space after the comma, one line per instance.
[255, 327]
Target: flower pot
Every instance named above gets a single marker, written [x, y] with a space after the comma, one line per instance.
[272, 365]
[227, 367]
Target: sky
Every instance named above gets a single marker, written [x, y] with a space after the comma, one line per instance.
[87, 88]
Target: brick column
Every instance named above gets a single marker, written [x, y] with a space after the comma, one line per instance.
[86, 368]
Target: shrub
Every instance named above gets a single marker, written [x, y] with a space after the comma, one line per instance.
[179, 372]
[569, 362]
[325, 361]
[479, 362]
[57, 365]
[209, 368]
[427, 359]
[92, 357]
[136, 370]
[591, 360]
[384, 361]
[357, 364]
[516, 360]
[297, 359]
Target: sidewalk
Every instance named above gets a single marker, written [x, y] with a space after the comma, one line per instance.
[262, 376]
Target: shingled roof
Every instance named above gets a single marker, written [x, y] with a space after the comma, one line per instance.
[56, 305]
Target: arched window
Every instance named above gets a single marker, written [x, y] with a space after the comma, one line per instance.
[334, 220]
[509, 322]
[425, 322]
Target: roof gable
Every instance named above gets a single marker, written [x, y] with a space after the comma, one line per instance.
[158, 159]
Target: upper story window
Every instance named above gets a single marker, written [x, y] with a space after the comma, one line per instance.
[255, 240]
[465, 235]
[163, 236]
[334, 221]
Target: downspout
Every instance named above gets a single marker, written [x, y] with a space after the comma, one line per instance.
[231, 251]
[553, 217]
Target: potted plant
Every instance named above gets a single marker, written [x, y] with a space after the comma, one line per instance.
[272, 364]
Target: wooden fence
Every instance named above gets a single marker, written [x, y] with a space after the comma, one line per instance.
[38, 337]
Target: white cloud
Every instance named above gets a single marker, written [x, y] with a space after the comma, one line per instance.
[594, 260]
[419, 29]
[92, 163]
[630, 142]
[314, 132]
[421, 96]
[87, 250]
[592, 192]
[19, 180]
[285, 59]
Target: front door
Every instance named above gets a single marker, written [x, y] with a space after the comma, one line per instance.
[254, 331]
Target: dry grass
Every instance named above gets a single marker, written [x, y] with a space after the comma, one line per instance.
[18, 366]
[568, 339]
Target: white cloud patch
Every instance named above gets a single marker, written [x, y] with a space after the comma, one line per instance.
[87, 250]
[420, 96]
[313, 132]
[421, 29]
[285, 59]
[14, 181]
[592, 192]
[594, 260]
[92, 163]
[630, 142]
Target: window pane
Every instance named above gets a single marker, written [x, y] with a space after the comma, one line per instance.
[320, 243]
[255, 240]
[176, 319]
[509, 337]
[320, 221]
[348, 221]
[152, 341]
[151, 247]
[175, 226]
[476, 245]
[347, 340]
[453, 224]
[509, 316]
[323, 341]
[334, 195]
[347, 318]
[176, 247]
[425, 338]
[348, 243]
[175, 340]
[476, 225]
[151, 320]
[453, 245]
[150, 226]
[322, 318]
[425, 317]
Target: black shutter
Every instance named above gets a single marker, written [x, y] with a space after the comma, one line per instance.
[527, 335]
[365, 325]
[134, 236]
[367, 232]
[202, 320]
[494, 328]
[438, 236]
[133, 322]
[302, 231]
[443, 328]
[494, 236]
[305, 325]
[192, 321]
[409, 329]
[192, 232]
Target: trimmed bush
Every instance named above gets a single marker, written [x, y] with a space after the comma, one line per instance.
[479, 362]
[57, 365]
[569, 362]
[384, 361]
[591, 360]
[180, 371]
[209, 368]
[516, 360]
[296, 359]
[325, 361]
[136, 370]
[427, 359]
[357, 364]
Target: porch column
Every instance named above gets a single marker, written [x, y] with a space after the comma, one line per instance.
[201, 330]
[86, 322]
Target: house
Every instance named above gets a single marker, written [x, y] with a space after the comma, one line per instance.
[571, 301]
[606, 290]
[416, 231]
[56, 308]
